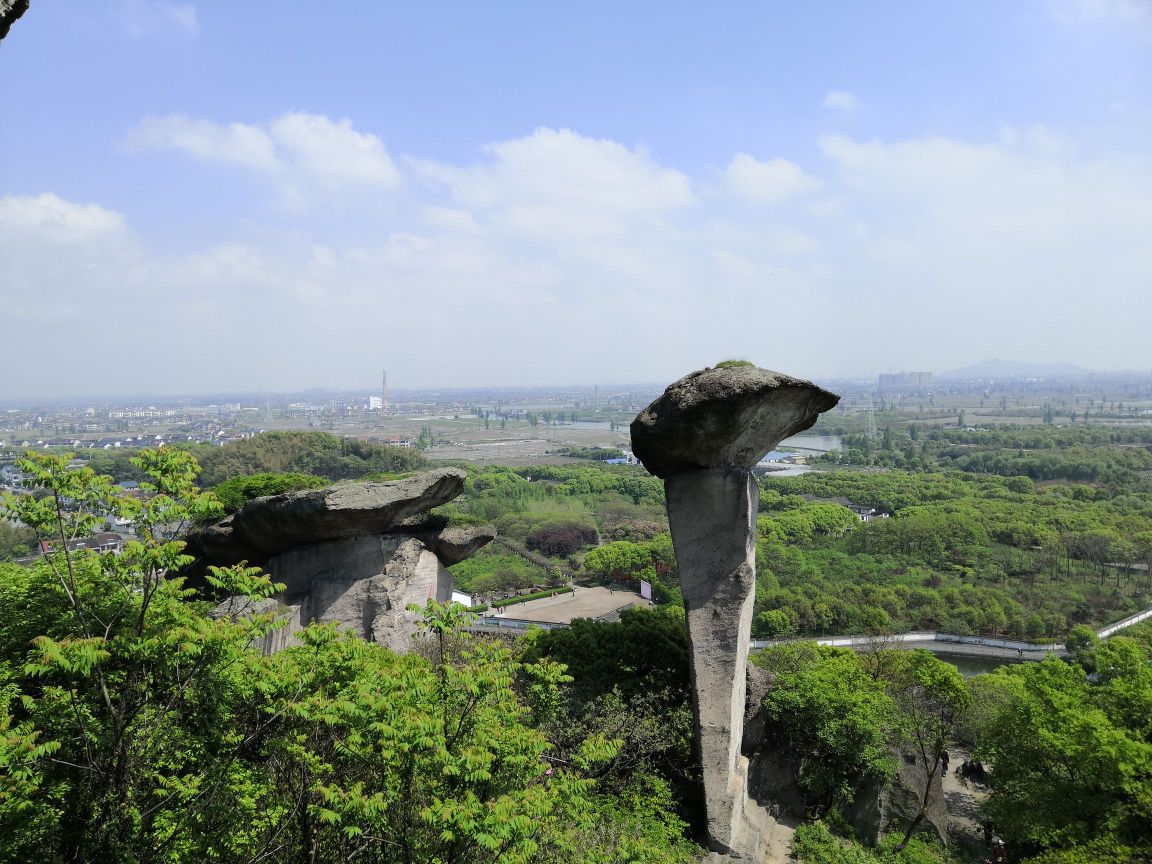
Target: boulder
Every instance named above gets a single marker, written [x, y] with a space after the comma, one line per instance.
[281, 522]
[219, 545]
[363, 584]
[287, 618]
[728, 416]
[451, 543]
[268, 526]
[355, 554]
[881, 807]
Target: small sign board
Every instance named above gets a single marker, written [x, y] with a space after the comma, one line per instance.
[645, 590]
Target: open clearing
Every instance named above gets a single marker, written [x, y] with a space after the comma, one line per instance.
[584, 603]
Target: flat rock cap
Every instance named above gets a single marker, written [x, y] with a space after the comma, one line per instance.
[268, 526]
[727, 416]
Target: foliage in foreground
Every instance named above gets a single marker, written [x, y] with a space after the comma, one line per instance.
[813, 843]
[135, 727]
[1072, 754]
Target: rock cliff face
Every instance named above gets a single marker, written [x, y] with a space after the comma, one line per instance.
[875, 808]
[703, 435]
[880, 807]
[356, 554]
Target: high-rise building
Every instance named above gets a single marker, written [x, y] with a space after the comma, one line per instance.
[903, 380]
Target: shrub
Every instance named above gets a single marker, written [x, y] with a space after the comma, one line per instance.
[562, 539]
[238, 491]
[535, 595]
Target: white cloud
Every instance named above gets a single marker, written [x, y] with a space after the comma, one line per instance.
[332, 152]
[48, 248]
[241, 144]
[51, 216]
[767, 182]
[841, 100]
[300, 153]
[556, 181]
[157, 17]
[558, 257]
[1115, 11]
[1023, 237]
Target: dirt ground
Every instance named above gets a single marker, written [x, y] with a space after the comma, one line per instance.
[780, 842]
[963, 799]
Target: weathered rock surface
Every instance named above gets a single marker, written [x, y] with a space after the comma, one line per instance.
[702, 436]
[280, 522]
[354, 554]
[724, 416]
[219, 544]
[268, 526]
[876, 807]
[759, 683]
[712, 515]
[451, 543]
[364, 584]
[881, 807]
[772, 780]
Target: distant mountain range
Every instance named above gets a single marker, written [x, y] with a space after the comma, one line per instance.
[1017, 369]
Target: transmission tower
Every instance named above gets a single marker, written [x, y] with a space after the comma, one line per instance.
[870, 429]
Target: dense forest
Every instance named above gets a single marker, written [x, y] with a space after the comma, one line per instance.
[961, 553]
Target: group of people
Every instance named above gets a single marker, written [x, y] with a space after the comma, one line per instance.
[968, 769]
[972, 769]
[998, 852]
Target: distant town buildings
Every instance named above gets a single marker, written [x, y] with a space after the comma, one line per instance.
[897, 381]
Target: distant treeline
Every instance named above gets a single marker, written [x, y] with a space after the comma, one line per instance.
[598, 454]
[314, 453]
[1080, 454]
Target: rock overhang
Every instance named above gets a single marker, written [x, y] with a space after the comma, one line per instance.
[724, 416]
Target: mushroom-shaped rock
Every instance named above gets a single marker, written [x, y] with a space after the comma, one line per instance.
[703, 435]
[727, 416]
[280, 522]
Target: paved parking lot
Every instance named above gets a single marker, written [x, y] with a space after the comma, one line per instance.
[584, 603]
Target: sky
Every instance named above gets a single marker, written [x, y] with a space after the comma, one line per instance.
[233, 197]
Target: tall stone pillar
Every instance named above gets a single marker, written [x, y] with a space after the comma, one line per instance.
[703, 435]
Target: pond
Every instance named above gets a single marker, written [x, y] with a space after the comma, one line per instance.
[970, 666]
[815, 443]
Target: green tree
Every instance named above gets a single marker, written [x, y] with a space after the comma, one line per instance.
[15, 540]
[931, 698]
[1072, 757]
[137, 727]
[617, 561]
[826, 709]
[102, 697]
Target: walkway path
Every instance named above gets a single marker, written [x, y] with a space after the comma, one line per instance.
[779, 849]
[974, 646]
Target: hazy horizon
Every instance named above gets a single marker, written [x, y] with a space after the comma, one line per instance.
[205, 197]
[942, 378]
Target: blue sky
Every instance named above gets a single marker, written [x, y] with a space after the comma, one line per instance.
[231, 196]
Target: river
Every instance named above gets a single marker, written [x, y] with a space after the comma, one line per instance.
[813, 443]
